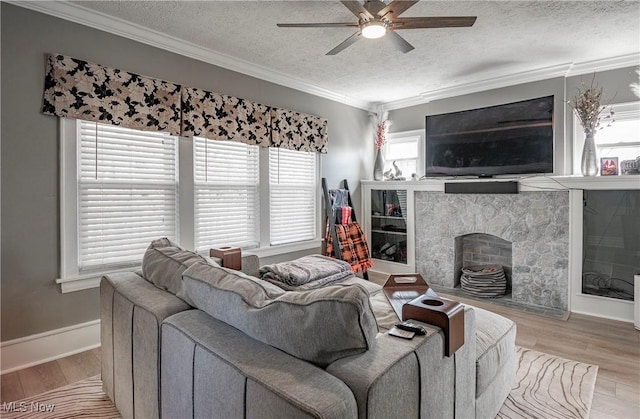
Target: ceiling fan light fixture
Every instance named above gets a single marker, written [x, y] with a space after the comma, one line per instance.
[373, 29]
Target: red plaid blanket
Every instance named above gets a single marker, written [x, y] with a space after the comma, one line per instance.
[353, 245]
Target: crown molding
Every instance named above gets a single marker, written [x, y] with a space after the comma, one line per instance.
[97, 20]
[120, 27]
[605, 64]
[506, 80]
[496, 82]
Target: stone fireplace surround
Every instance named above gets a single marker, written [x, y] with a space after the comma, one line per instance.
[536, 223]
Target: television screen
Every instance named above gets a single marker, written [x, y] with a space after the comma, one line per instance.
[514, 138]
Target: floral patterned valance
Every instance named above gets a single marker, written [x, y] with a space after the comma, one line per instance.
[222, 117]
[82, 90]
[79, 89]
[298, 131]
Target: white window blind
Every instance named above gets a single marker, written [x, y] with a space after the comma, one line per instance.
[127, 193]
[292, 195]
[227, 195]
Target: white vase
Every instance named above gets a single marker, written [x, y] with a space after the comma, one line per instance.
[378, 166]
[589, 161]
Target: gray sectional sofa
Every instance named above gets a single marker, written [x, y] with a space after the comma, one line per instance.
[237, 346]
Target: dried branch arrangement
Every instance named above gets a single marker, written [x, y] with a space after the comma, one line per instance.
[589, 109]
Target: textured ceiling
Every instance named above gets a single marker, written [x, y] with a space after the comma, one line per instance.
[508, 37]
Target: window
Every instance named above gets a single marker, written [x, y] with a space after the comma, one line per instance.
[621, 139]
[127, 193]
[122, 188]
[292, 196]
[405, 149]
[226, 192]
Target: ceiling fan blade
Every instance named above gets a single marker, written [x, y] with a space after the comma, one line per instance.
[395, 8]
[433, 22]
[316, 25]
[374, 6]
[357, 8]
[350, 40]
[399, 42]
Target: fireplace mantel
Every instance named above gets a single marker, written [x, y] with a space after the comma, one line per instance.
[531, 183]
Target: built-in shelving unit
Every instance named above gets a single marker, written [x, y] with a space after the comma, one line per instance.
[388, 228]
[389, 225]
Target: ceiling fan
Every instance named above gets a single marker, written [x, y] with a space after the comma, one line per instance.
[376, 18]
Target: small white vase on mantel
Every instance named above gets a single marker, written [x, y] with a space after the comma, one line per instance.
[378, 166]
[589, 161]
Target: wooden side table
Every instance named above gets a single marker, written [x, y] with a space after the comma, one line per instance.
[446, 314]
[402, 288]
[231, 257]
[406, 293]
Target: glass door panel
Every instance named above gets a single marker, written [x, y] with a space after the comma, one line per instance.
[611, 243]
[389, 225]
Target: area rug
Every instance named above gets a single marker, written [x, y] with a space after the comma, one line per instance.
[84, 399]
[546, 387]
[549, 387]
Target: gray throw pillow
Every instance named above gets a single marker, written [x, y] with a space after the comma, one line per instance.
[163, 264]
[319, 325]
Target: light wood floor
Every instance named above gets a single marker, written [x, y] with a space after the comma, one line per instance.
[613, 346]
[44, 377]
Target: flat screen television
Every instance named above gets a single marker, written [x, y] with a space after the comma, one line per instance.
[509, 139]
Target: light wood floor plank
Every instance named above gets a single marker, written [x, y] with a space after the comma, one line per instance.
[97, 353]
[628, 393]
[612, 407]
[41, 378]
[80, 366]
[605, 386]
[11, 390]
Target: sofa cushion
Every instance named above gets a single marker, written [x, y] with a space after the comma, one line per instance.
[386, 317]
[371, 287]
[163, 264]
[495, 344]
[319, 326]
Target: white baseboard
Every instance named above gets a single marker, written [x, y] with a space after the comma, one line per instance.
[48, 346]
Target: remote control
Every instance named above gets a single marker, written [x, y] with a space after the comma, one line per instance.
[405, 334]
[410, 326]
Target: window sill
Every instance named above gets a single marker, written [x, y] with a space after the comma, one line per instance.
[87, 281]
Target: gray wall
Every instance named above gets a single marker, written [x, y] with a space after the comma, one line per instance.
[614, 82]
[31, 301]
